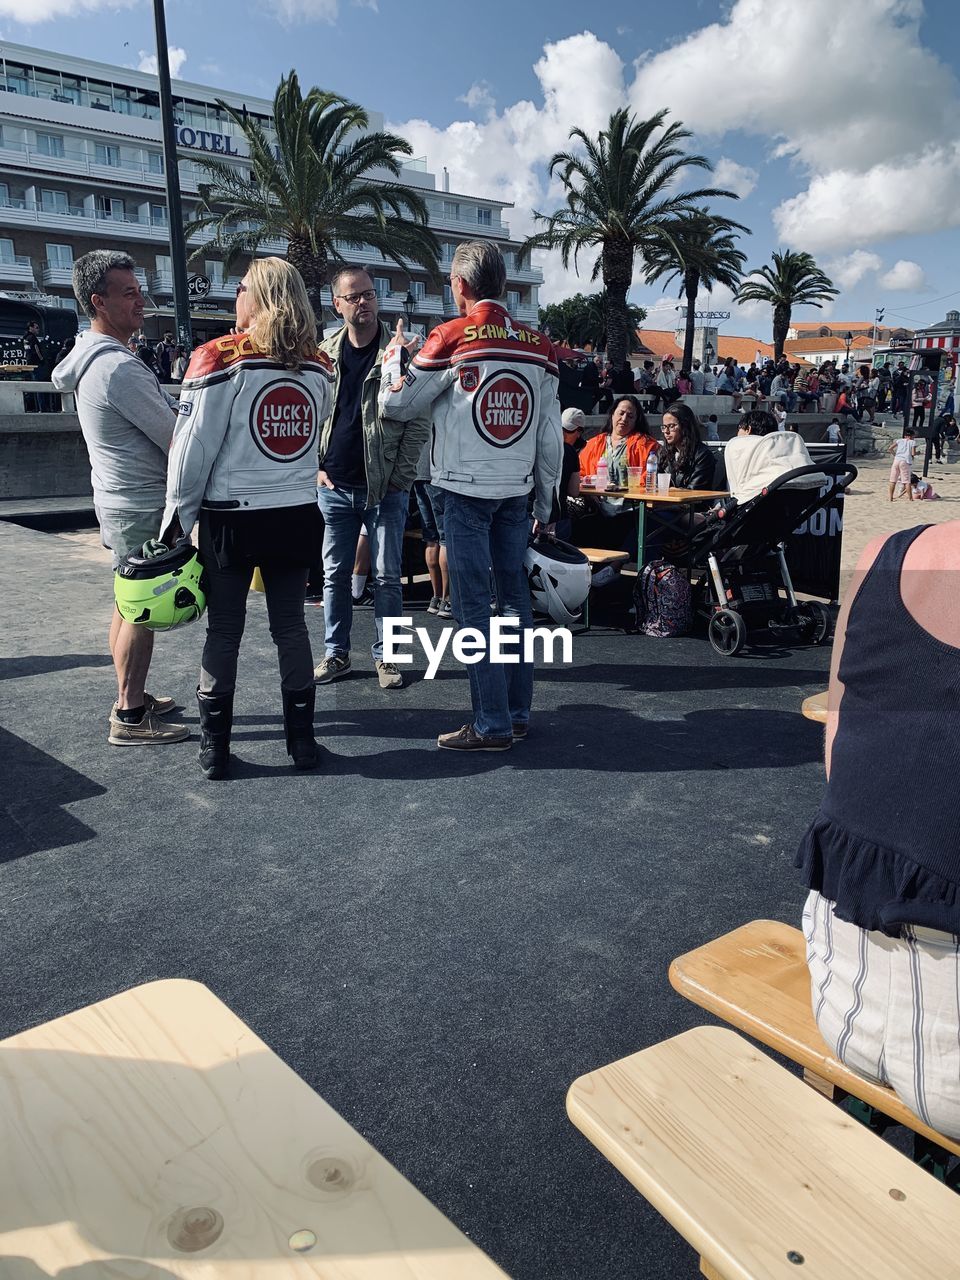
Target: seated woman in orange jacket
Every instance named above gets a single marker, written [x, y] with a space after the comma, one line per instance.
[625, 439]
[625, 442]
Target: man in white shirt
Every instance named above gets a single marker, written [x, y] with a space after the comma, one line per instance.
[697, 378]
[709, 382]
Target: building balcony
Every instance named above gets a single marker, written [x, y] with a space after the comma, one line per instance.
[17, 270]
[56, 277]
[469, 226]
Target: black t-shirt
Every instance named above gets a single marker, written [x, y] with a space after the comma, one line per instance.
[343, 462]
[569, 466]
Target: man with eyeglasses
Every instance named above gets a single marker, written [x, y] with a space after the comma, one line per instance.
[367, 467]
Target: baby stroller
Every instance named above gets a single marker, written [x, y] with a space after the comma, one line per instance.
[740, 560]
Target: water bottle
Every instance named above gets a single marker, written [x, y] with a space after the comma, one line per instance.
[650, 480]
[603, 474]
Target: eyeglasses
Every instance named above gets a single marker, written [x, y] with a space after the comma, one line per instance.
[241, 288]
[365, 295]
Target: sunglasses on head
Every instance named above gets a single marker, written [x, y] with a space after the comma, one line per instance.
[241, 288]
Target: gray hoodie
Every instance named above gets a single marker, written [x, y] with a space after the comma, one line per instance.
[126, 418]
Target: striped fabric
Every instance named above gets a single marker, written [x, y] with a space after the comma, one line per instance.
[889, 1008]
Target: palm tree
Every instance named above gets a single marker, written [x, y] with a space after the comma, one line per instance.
[793, 280]
[582, 319]
[314, 189]
[619, 201]
[701, 250]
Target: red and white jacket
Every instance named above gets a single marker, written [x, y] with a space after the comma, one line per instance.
[492, 385]
[247, 431]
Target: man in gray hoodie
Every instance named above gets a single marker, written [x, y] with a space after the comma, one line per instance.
[127, 422]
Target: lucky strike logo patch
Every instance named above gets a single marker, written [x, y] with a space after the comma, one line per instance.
[283, 422]
[503, 409]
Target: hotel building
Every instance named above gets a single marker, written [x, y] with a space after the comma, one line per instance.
[81, 168]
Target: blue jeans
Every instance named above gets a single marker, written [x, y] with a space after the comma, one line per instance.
[344, 515]
[480, 533]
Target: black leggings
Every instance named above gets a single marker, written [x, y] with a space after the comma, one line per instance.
[226, 614]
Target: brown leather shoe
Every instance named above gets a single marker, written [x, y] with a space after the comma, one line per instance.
[467, 739]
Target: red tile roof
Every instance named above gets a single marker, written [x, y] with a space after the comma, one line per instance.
[661, 342]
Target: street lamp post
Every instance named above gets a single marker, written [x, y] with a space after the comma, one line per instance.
[409, 306]
[178, 244]
[848, 339]
[708, 354]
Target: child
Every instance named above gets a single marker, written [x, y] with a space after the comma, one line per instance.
[833, 433]
[900, 472]
[922, 489]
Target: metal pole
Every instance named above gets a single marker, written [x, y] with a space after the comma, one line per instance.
[178, 244]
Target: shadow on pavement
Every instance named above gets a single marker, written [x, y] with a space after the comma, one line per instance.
[35, 786]
[42, 664]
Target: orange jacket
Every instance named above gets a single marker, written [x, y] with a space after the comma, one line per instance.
[639, 448]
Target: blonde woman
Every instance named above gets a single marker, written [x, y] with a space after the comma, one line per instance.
[244, 460]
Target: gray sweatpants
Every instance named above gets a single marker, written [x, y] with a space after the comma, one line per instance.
[226, 614]
[889, 1008]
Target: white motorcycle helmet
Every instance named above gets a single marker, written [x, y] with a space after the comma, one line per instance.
[559, 576]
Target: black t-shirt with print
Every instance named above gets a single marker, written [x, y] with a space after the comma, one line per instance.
[343, 462]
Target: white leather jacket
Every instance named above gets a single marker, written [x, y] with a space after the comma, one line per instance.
[492, 385]
[247, 431]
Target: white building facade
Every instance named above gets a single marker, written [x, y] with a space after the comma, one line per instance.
[81, 167]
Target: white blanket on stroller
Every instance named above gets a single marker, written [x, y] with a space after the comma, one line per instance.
[752, 462]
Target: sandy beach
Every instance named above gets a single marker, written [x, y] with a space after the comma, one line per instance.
[868, 511]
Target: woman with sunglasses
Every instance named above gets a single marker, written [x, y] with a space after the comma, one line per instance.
[244, 460]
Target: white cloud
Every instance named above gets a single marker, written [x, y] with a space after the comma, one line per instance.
[904, 197]
[816, 95]
[290, 11]
[850, 270]
[479, 97]
[730, 176]
[43, 10]
[905, 275]
[175, 56]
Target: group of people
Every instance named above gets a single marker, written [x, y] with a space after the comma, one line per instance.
[282, 449]
[273, 427]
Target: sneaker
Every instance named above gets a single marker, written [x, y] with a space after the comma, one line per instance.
[364, 598]
[148, 731]
[388, 673]
[519, 730]
[467, 739]
[159, 706]
[332, 667]
[434, 605]
[445, 609]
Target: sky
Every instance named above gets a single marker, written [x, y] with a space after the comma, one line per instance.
[833, 120]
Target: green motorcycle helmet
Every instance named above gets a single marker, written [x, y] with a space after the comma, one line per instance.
[161, 591]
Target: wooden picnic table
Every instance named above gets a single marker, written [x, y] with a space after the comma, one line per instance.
[154, 1130]
[644, 498]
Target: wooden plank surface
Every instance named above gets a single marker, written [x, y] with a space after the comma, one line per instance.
[815, 707]
[156, 1126]
[674, 497]
[598, 556]
[750, 1166]
[756, 978]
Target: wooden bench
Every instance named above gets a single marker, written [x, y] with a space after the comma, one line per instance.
[756, 978]
[600, 559]
[766, 1180]
[815, 707]
[155, 1127]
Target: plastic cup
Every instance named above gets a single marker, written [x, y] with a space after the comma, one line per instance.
[634, 477]
[663, 484]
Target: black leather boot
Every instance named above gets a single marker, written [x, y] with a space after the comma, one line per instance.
[216, 721]
[298, 722]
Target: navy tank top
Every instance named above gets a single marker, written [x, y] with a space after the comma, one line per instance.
[885, 845]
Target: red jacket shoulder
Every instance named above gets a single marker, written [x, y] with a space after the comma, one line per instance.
[218, 354]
